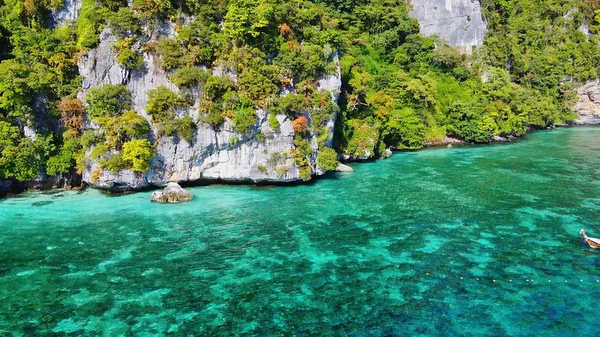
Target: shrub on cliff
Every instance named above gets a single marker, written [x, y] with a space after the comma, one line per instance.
[256, 85]
[124, 22]
[184, 127]
[130, 59]
[163, 103]
[115, 163]
[188, 77]
[216, 87]
[291, 105]
[138, 153]
[247, 19]
[172, 54]
[118, 130]
[273, 122]
[244, 120]
[152, 8]
[71, 111]
[327, 159]
[211, 114]
[300, 124]
[108, 101]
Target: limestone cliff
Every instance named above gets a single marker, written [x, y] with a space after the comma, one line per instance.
[212, 155]
[458, 21]
[587, 106]
[69, 11]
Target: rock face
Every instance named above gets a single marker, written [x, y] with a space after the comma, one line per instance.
[171, 194]
[69, 11]
[212, 155]
[458, 21]
[587, 106]
[445, 141]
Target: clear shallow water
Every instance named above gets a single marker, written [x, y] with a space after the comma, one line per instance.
[407, 246]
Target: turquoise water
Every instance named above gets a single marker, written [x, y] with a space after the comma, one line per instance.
[462, 241]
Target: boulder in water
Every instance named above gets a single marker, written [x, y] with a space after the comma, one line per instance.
[344, 168]
[172, 193]
[388, 153]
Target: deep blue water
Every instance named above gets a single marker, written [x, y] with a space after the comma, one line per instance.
[445, 242]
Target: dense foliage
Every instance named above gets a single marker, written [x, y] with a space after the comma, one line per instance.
[400, 89]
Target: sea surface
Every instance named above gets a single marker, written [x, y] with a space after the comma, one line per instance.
[470, 241]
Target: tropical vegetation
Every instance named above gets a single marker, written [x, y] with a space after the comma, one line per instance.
[399, 88]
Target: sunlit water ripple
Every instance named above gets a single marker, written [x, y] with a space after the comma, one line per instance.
[463, 241]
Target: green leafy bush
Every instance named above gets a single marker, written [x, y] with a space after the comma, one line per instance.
[188, 77]
[87, 25]
[273, 122]
[153, 8]
[212, 114]
[115, 163]
[163, 104]
[130, 59]
[246, 19]
[216, 87]
[244, 120]
[124, 22]
[256, 85]
[327, 159]
[184, 127]
[172, 54]
[108, 101]
[138, 153]
[291, 105]
[120, 129]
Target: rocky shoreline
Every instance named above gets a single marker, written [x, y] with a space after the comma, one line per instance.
[12, 188]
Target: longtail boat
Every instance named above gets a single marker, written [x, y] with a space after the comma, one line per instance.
[592, 242]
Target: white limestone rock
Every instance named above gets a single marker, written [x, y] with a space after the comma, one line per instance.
[69, 12]
[213, 154]
[172, 193]
[458, 21]
[587, 106]
[344, 168]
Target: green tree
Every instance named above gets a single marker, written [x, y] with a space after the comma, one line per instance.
[405, 130]
[124, 22]
[130, 59]
[246, 19]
